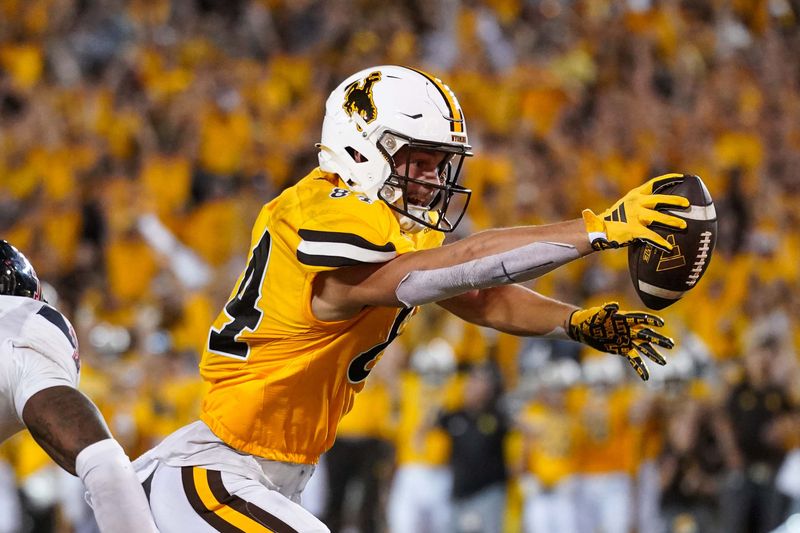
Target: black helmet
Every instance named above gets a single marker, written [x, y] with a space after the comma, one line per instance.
[17, 276]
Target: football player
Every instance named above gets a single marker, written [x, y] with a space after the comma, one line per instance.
[39, 370]
[337, 264]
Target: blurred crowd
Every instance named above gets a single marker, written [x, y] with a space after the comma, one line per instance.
[139, 139]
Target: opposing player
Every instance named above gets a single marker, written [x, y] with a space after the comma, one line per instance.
[338, 263]
[39, 367]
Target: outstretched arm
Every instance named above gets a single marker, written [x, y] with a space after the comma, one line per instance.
[342, 293]
[493, 258]
[519, 311]
[512, 309]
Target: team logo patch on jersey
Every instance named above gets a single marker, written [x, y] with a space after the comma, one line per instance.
[358, 98]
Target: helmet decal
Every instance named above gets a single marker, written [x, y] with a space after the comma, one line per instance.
[454, 109]
[358, 98]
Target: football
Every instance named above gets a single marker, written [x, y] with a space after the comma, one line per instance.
[662, 278]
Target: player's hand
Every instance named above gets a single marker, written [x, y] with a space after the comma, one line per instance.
[629, 219]
[608, 329]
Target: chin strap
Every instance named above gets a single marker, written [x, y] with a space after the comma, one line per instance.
[391, 195]
[408, 224]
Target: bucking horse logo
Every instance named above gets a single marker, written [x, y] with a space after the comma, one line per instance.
[358, 98]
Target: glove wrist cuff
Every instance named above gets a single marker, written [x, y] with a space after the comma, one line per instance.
[572, 330]
[595, 228]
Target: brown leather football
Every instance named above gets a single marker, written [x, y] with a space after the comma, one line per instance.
[662, 278]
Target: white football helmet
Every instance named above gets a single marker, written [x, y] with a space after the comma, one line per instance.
[371, 115]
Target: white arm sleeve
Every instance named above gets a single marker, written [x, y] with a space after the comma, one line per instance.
[514, 266]
[113, 491]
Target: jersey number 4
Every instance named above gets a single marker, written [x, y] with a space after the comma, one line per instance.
[243, 307]
[244, 313]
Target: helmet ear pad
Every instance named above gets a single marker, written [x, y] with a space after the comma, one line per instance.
[17, 276]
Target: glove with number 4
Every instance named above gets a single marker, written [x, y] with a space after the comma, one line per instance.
[630, 218]
[608, 329]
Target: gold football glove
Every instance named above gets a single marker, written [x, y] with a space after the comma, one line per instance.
[607, 329]
[629, 219]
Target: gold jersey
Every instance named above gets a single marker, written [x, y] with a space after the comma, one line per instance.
[606, 440]
[280, 379]
[552, 452]
[416, 442]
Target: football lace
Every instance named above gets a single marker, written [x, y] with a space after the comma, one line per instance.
[702, 255]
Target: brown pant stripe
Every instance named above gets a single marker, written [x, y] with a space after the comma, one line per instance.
[206, 514]
[246, 508]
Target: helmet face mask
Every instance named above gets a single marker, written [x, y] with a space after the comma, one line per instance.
[430, 205]
[17, 276]
[376, 113]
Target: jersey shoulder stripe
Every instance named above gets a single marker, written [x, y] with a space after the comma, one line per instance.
[344, 238]
[337, 249]
[58, 320]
